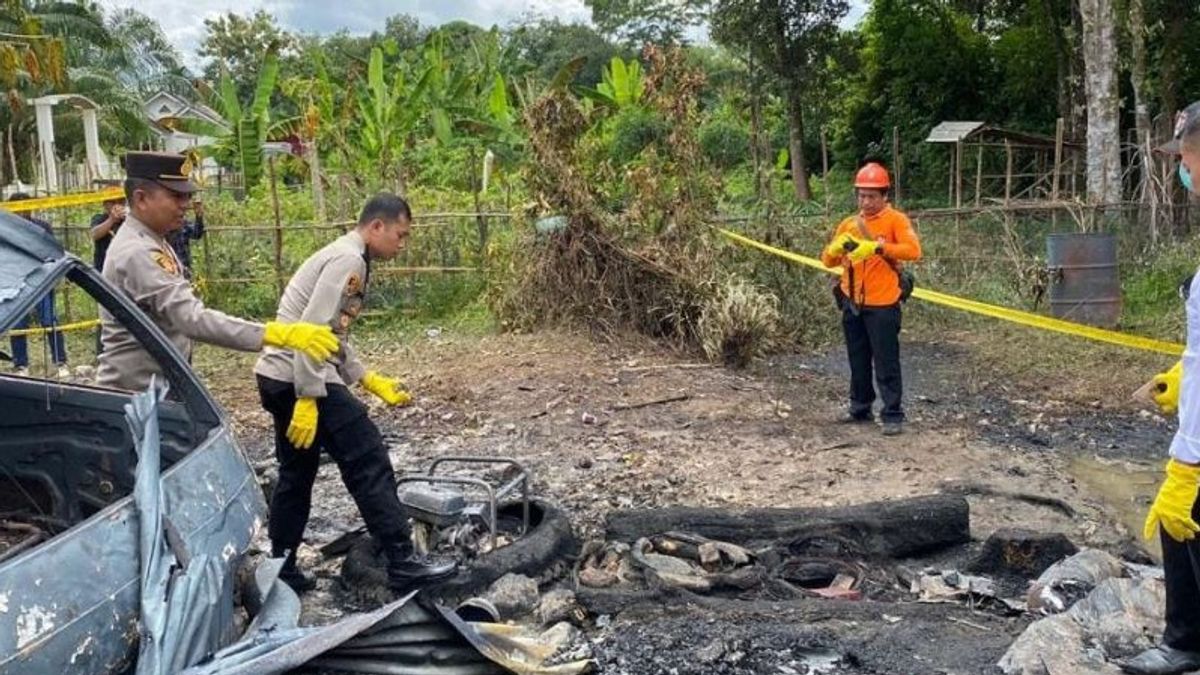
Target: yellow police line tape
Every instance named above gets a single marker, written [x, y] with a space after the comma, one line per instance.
[59, 201]
[994, 311]
[65, 328]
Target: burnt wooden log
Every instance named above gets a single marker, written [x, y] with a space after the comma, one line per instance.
[891, 529]
[1022, 552]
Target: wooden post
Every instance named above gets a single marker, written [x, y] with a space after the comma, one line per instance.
[207, 261]
[958, 160]
[979, 174]
[896, 163]
[950, 181]
[1058, 150]
[318, 189]
[481, 223]
[1008, 169]
[278, 227]
[1074, 174]
[12, 156]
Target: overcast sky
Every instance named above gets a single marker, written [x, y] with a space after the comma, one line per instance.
[183, 21]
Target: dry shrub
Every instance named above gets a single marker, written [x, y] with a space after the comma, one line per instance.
[650, 267]
[739, 323]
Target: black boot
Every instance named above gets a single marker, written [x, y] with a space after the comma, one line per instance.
[1162, 660]
[291, 574]
[406, 570]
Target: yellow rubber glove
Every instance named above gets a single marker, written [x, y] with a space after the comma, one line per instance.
[837, 247]
[1166, 389]
[864, 250]
[303, 429]
[1172, 508]
[386, 388]
[318, 342]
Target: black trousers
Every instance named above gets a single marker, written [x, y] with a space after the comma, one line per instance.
[873, 345]
[1181, 570]
[353, 441]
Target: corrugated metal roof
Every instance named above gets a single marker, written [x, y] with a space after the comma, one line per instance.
[952, 132]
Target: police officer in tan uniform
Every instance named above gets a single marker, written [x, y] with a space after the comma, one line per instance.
[142, 264]
[313, 408]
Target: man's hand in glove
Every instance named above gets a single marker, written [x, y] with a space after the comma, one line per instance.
[837, 247]
[317, 342]
[865, 249]
[303, 429]
[1166, 389]
[1172, 508]
[386, 388]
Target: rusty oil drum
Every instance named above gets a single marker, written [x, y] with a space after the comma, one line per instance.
[1084, 282]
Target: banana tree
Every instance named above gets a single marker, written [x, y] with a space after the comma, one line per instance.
[240, 145]
[622, 87]
[389, 114]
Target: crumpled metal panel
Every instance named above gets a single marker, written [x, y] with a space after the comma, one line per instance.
[186, 598]
[71, 605]
[26, 261]
[405, 637]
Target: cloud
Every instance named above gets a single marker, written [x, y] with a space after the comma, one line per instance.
[183, 23]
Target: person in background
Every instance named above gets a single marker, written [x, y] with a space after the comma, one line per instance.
[104, 227]
[870, 247]
[181, 239]
[46, 319]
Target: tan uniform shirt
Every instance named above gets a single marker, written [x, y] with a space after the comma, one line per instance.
[141, 264]
[328, 289]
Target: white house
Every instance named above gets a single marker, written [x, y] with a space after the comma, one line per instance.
[165, 106]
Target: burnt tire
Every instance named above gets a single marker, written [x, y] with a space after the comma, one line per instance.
[543, 554]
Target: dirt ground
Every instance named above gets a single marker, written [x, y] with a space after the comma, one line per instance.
[591, 420]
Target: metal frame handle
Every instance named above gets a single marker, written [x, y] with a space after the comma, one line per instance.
[522, 479]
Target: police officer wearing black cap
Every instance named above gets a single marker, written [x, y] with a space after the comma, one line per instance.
[1173, 515]
[141, 263]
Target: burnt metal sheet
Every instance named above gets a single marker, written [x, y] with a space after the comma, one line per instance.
[279, 646]
[72, 604]
[29, 259]
[186, 582]
[405, 637]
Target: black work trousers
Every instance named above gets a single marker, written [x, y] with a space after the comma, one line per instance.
[1181, 570]
[353, 441]
[873, 345]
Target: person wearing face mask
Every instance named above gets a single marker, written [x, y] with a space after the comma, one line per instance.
[870, 247]
[1173, 515]
[314, 410]
[141, 264]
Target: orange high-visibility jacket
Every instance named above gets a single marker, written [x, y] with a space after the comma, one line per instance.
[876, 284]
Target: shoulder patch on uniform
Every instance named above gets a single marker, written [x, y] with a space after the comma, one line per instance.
[353, 285]
[166, 262]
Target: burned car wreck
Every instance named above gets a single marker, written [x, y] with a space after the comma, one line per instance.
[125, 518]
[67, 471]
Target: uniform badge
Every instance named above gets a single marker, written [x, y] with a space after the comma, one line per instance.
[166, 262]
[353, 285]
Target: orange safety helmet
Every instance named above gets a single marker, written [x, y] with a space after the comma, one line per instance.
[872, 175]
